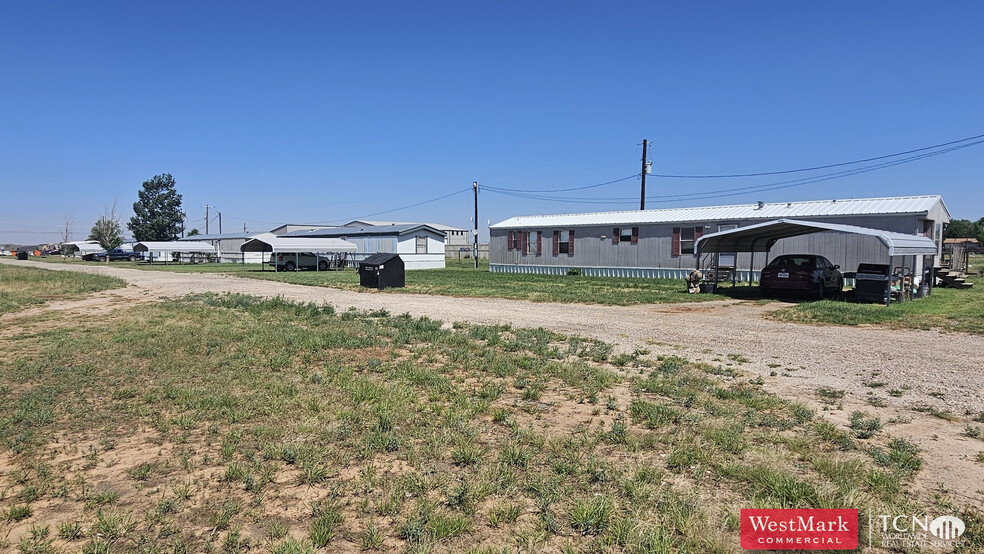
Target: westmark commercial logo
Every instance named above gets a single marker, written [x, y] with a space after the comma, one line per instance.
[799, 529]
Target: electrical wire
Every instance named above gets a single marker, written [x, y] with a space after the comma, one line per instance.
[500, 189]
[462, 191]
[819, 167]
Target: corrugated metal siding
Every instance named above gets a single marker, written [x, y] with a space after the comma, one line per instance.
[595, 253]
[746, 212]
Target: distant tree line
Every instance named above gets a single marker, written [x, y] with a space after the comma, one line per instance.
[965, 228]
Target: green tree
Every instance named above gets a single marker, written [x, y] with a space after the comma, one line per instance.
[194, 231]
[157, 212]
[106, 231]
[960, 228]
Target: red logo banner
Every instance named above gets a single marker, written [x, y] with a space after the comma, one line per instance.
[799, 529]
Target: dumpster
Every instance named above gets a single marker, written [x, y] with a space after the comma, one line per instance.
[381, 271]
[870, 282]
[22, 255]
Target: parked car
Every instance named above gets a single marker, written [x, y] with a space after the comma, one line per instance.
[289, 261]
[807, 273]
[116, 255]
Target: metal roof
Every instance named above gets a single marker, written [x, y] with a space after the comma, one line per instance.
[268, 242]
[764, 211]
[218, 236]
[173, 246]
[366, 230]
[761, 236]
[364, 222]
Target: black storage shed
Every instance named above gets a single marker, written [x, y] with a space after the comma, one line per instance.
[381, 271]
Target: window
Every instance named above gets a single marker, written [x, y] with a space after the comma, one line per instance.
[626, 234]
[684, 239]
[687, 240]
[421, 245]
[565, 239]
[512, 240]
[533, 243]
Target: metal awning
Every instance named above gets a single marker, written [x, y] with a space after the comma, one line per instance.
[762, 236]
[173, 246]
[273, 243]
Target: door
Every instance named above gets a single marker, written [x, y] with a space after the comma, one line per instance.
[726, 259]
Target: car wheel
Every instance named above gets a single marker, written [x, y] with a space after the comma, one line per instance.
[289, 266]
[132, 258]
[322, 266]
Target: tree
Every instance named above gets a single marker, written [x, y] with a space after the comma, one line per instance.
[157, 212]
[194, 231]
[66, 235]
[960, 228]
[106, 231]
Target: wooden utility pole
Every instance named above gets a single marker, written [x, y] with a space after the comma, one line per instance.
[642, 200]
[475, 253]
[220, 223]
[206, 218]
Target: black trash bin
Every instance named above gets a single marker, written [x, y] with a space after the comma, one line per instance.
[22, 255]
[381, 271]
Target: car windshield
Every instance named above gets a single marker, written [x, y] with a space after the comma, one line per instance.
[791, 261]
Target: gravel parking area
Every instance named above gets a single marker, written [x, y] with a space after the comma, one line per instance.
[932, 370]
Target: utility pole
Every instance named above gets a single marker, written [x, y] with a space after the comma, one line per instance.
[206, 218]
[244, 228]
[475, 188]
[220, 223]
[642, 200]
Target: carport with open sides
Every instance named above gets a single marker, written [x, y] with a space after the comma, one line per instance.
[269, 242]
[762, 237]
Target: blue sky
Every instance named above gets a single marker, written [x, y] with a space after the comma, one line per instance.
[329, 111]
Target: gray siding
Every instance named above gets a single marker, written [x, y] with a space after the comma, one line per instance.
[596, 253]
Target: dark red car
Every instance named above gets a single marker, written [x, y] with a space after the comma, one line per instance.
[808, 273]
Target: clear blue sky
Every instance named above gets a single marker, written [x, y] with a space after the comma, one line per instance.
[329, 111]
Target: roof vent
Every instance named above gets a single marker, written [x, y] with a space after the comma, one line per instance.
[761, 205]
[789, 204]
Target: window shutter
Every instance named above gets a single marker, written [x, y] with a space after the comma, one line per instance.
[570, 247]
[539, 243]
[524, 238]
[616, 232]
[556, 243]
[698, 231]
[635, 235]
[509, 241]
[675, 246]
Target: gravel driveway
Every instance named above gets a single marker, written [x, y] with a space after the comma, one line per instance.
[942, 371]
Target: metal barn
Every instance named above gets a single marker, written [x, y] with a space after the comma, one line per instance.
[662, 243]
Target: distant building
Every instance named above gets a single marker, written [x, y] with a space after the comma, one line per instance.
[453, 236]
[420, 245]
[661, 243]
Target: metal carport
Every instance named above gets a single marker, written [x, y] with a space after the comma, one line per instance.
[187, 247]
[761, 237]
[269, 242]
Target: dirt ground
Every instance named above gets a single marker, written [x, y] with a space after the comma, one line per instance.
[934, 371]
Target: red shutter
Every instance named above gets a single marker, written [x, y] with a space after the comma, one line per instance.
[509, 241]
[698, 231]
[635, 235]
[570, 246]
[556, 243]
[675, 246]
[524, 239]
[539, 243]
[615, 234]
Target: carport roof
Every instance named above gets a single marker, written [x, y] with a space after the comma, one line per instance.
[761, 236]
[173, 246]
[272, 243]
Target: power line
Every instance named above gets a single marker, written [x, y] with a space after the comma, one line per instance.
[501, 189]
[462, 191]
[829, 166]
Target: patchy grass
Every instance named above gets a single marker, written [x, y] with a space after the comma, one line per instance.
[462, 279]
[22, 287]
[948, 309]
[234, 423]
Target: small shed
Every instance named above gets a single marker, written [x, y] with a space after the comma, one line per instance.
[381, 271]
